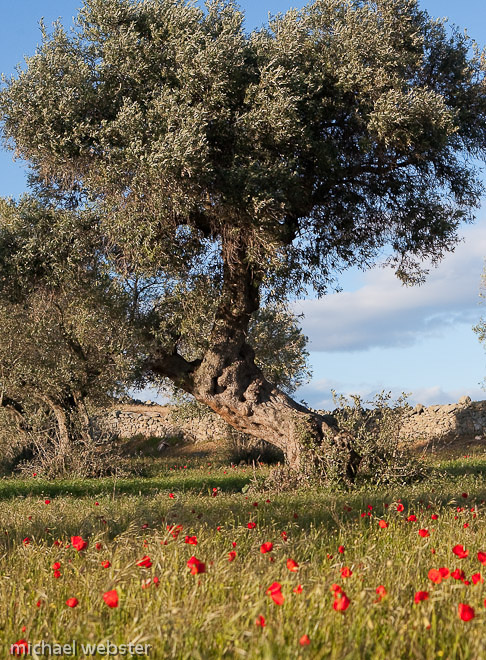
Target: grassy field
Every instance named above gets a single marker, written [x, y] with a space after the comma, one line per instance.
[217, 612]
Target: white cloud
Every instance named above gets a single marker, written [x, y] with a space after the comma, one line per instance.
[318, 393]
[384, 313]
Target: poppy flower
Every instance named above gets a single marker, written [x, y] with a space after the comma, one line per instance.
[412, 518]
[346, 572]
[196, 566]
[400, 507]
[464, 495]
[260, 621]
[111, 598]
[56, 566]
[231, 555]
[251, 525]
[72, 602]
[341, 549]
[106, 564]
[381, 591]
[26, 541]
[460, 551]
[275, 593]
[191, 540]
[292, 565]
[57, 574]
[47, 501]
[335, 588]
[445, 572]
[98, 546]
[382, 524]
[171, 495]
[341, 601]
[304, 640]
[266, 547]
[145, 562]
[434, 516]
[78, 543]
[20, 648]
[458, 574]
[423, 533]
[482, 557]
[466, 612]
[284, 535]
[435, 576]
[477, 578]
[298, 589]
[421, 595]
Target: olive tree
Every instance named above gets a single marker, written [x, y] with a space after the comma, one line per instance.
[254, 165]
[66, 341]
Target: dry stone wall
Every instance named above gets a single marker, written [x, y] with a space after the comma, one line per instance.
[464, 420]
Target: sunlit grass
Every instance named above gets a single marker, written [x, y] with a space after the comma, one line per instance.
[213, 614]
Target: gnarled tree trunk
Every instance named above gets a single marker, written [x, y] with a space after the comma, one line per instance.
[229, 382]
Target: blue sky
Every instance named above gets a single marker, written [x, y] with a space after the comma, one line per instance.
[375, 334]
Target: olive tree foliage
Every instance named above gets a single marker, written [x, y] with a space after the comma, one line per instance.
[255, 165]
[66, 342]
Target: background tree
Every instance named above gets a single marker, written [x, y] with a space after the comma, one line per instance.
[261, 163]
[65, 343]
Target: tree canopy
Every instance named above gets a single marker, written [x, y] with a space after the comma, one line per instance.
[248, 166]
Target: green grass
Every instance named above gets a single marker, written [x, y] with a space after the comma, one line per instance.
[212, 615]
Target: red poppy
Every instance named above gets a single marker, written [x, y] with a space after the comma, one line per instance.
[275, 593]
[171, 495]
[458, 574]
[231, 555]
[106, 564]
[251, 525]
[111, 598]
[57, 574]
[304, 640]
[423, 533]
[284, 535]
[477, 578]
[26, 541]
[196, 566]
[266, 547]
[56, 566]
[382, 524]
[466, 612]
[260, 621]
[346, 572]
[298, 589]
[292, 565]
[445, 572]
[412, 518]
[434, 516]
[381, 591]
[464, 495]
[20, 648]
[78, 543]
[72, 602]
[145, 562]
[191, 540]
[47, 501]
[341, 549]
[482, 557]
[400, 507]
[421, 595]
[341, 601]
[435, 576]
[39, 603]
[460, 551]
